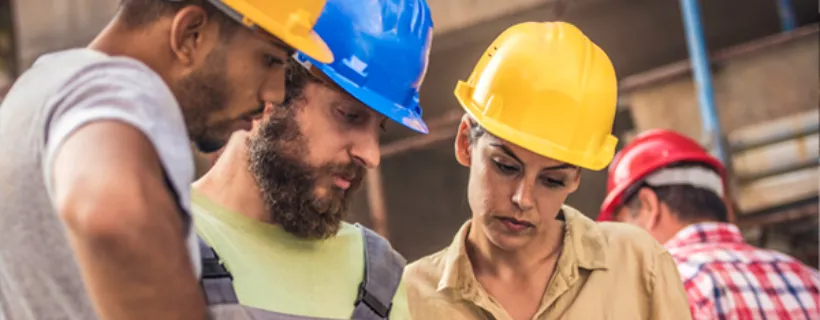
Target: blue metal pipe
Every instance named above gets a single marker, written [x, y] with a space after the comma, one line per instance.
[703, 78]
[788, 21]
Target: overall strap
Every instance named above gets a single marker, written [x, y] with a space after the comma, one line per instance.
[383, 269]
[216, 282]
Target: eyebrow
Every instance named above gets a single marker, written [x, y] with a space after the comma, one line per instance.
[511, 154]
[276, 42]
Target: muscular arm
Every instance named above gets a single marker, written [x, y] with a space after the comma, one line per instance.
[123, 225]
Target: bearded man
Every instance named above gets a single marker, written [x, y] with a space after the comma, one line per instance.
[270, 212]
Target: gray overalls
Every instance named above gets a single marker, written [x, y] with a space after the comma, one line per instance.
[383, 268]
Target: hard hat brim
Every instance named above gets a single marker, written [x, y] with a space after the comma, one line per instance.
[614, 198]
[312, 46]
[306, 41]
[595, 162]
[395, 112]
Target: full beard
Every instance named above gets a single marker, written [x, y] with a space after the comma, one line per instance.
[288, 185]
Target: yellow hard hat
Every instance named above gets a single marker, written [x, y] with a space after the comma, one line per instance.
[546, 88]
[291, 21]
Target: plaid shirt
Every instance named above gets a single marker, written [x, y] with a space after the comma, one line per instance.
[726, 278]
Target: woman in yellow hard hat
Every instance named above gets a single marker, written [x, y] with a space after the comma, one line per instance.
[540, 106]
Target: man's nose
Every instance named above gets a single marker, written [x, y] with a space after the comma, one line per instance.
[365, 151]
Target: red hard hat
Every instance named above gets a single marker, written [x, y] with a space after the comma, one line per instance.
[650, 151]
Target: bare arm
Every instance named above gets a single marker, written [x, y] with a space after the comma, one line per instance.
[124, 226]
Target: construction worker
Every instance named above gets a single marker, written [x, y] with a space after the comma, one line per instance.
[270, 211]
[96, 163]
[540, 107]
[670, 186]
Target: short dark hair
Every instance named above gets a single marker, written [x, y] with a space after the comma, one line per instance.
[296, 79]
[476, 130]
[687, 203]
[137, 13]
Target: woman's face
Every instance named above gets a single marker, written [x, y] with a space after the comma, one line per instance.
[515, 194]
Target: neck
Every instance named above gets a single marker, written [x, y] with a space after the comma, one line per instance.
[118, 39]
[541, 251]
[230, 183]
[669, 226]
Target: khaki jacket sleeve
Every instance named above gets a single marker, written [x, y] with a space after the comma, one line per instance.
[668, 296]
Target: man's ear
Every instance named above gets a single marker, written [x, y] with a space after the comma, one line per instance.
[190, 34]
[463, 147]
[651, 205]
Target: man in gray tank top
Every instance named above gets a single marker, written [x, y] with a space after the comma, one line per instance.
[96, 162]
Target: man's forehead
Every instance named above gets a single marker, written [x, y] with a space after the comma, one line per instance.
[342, 98]
[273, 41]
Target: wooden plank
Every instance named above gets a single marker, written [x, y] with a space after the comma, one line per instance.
[777, 157]
[778, 190]
[780, 129]
[781, 216]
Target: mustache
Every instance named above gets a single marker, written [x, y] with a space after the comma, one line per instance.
[255, 113]
[351, 171]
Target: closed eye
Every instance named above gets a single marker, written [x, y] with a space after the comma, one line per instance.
[552, 183]
[350, 117]
[505, 168]
[271, 61]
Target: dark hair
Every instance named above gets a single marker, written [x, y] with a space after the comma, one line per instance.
[138, 13]
[687, 203]
[476, 131]
[296, 78]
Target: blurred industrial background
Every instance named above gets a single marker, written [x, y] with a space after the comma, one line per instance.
[739, 76]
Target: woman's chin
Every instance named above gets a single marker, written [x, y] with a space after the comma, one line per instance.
[508, 242]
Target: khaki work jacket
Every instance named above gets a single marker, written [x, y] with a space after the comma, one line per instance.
[606, 271]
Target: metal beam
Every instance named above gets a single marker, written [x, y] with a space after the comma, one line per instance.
[788, 20]
[684, 67]
[696, 45]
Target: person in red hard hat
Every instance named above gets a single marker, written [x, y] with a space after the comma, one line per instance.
[669, 185]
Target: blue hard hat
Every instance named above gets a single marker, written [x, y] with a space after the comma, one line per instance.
[381, 50]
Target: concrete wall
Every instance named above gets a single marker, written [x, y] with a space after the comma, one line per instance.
[749, 88]
[47, 25]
